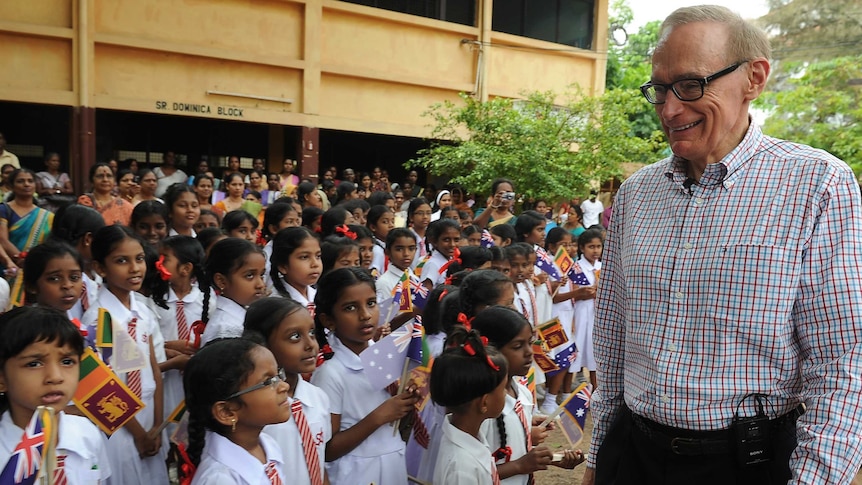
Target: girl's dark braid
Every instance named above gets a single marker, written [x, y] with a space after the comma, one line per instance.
[204, 286]
[197, 438]
[502, 452]
[275, 275]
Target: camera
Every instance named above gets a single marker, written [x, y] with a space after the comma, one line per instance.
[508, 196]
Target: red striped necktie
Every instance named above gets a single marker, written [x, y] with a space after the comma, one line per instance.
[85, 297]
[133, 378]
[311, 308]
[60, 471]
[519, 410]
[495, 477]
[183, 332]
[309, 448]
[272, 474]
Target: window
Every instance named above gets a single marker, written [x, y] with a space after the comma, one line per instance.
[457, 11]
[568, 22]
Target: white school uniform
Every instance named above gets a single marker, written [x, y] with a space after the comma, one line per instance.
[431, 269]
[524, 302]
[193, 307]
[77, 310]
[173, 232]
[380, 458]
[515, 436]
[267, 255]
[463, 459]
[126, 466]
[226, 322]
[315, 406]
[386, 283]
[80, 441]
[298, 297]
[223, 462]
[585, 314]
[378, 256]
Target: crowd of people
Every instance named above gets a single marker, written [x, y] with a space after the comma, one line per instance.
[252, 296]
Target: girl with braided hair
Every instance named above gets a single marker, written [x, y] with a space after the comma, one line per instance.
[233, 389]
[469, 380]
[296, 265]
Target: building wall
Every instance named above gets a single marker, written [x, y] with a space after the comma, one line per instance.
[313, 63]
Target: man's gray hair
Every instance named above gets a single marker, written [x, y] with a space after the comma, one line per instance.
[745, 40]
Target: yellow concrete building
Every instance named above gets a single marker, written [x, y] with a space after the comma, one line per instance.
[324, 81]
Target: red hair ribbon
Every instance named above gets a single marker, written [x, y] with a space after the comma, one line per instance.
[260, 240]
[163, 272]
[187, 468]
[448, 280]
[467, 322]
[492, 364]
[504, 452]
[484, 340]
[22, 255]
[456, 257]
[324, 353]
[198, 330]
[81, 327]
[442, 294]
[469, 349]
[345, 231]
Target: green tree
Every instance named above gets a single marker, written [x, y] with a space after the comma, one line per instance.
[547, 149]
[821, 108]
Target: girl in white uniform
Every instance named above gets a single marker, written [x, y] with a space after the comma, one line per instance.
[39, 356]
[418, 218]
[287, 329]
[444, 236]
[590, 244]
[281, 214]
[380, 221]
[53, 276]
[235, 268]
[296, 265]
[135, 449]
[233, 389]
[363, 448]
[469, 380]
[75, 225]
[181, 264]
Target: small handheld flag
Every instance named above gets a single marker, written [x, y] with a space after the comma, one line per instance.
[102, 396]
[487, 240]
[544, 263]
[563, 260]
[104, 332]
[578, 277]
[552, 333]
[27, 460]
[573, 414]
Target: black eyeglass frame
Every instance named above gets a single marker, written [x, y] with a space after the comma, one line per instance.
[704, 81]
[268, 382]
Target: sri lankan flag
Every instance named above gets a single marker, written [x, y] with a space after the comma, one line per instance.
[401, 293]
[563, 260]
[102, 396]
[104, 332]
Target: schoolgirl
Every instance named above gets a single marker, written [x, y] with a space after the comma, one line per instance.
[469, 380]
[590, 245]
[182, 297]
[40, 352]
[418, 218]
[235, 269]
[183, 209]
[53, 276]
[334, 218]
[444, 236]
[234, 389]
[135, 449]
[381, 220]
[339, 252]
[76, 225]
[281, 214]
[287, 330]
[471, 236]
[240, 224]
[518, 255]
[363, 448]
[296, 265]
[365, 240]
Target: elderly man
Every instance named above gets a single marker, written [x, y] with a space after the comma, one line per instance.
[729, 313]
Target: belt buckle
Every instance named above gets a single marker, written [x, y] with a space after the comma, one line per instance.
[676, 442]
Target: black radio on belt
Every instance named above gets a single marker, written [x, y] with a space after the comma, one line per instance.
[751, 434]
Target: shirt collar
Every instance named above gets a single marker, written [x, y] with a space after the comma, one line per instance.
[394, 271]
[303, 393]
[239, 460]
[118, 311]
[231, 307]
[467, 444]
[345, 355]
[724, 169]
[68, 434]
[193, 295]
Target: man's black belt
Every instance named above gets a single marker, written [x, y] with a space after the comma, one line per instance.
[697, 443]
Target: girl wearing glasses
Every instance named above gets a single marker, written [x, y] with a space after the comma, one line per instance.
[233, 389]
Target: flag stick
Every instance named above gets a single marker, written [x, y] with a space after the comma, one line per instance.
[168, 420]
[557, 412]
[401, 386]
[417, 481]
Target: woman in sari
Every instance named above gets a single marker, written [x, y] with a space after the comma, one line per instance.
[113, 209]
[499, 206]
[23, 225]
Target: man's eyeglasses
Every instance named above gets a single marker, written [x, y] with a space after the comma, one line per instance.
[270, 381]
[684, 89]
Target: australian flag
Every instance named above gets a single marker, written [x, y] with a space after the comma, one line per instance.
[487, 241]
[419, 293]
[578, 277]
[545, 263]
[26, 459]
[574, 416]
[563, 357]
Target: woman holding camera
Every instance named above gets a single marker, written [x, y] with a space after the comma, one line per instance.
[499, 208]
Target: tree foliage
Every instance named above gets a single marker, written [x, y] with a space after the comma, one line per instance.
[821, 108]
[547, 149]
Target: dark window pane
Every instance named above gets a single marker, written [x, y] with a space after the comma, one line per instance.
[508, 16]
[540, 20]
[460, 11]
[576, 23]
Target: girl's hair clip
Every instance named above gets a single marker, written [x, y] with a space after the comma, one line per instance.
[467, 322]
[456, 258]
[22, 255]
[345, 231]
[163, 272]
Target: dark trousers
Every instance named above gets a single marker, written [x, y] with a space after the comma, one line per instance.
[629, 455]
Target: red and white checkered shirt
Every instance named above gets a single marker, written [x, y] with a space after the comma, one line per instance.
[746, 282]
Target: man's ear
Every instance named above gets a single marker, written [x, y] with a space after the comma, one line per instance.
[758, 75]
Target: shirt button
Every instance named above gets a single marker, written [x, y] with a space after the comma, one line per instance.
[698, 201]
[672, 347]
[688, 246]
[665, 398]
[728, 184]
[679, 295]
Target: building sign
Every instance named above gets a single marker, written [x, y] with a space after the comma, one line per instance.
[202, 109]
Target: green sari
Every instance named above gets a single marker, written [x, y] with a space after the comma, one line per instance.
[25, 233]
